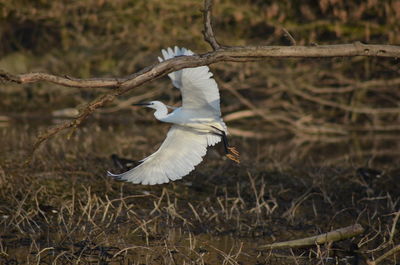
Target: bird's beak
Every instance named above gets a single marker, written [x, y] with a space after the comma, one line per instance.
[141, 104]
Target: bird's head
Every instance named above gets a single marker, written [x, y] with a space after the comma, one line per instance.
[152, 104]
[161, 109]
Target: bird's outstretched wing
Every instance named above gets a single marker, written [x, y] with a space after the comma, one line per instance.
[199, 90]
[180, 152]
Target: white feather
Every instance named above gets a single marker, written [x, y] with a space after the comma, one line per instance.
[177, 156]
[199, 90]
[194, 126]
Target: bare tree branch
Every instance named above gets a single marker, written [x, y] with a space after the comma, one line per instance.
[208, 30]
[61, 80]
[233, 54]
[223, 54]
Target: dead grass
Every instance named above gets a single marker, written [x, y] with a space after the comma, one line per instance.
[63, 210]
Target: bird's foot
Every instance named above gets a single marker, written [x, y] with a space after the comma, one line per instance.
[233, 154]
[234, 151]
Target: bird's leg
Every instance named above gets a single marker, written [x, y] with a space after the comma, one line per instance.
[230, 151]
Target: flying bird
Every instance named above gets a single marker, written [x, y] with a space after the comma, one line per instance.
[197, 124]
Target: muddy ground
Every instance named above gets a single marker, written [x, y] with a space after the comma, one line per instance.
[63, 209]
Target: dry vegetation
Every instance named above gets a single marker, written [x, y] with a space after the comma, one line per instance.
[114, 39]
[62, 209]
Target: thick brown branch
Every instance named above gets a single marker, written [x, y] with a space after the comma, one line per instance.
[60, 80]
[208, 30]
[227, 54]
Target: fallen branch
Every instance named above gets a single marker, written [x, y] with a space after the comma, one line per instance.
[336, 235]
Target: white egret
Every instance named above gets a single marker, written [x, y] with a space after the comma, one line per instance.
[197, 124]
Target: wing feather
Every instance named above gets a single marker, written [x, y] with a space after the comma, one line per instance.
[177, 156]
[199, 90]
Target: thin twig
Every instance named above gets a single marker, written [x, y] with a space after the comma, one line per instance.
[393, 230]
[365, 110]
[384, 256]
[289, 36]
[257, 111]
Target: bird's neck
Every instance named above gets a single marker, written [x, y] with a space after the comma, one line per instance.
[161, 113]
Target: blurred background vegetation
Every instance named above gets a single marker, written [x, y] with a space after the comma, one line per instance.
[99, 38]
[63, 207]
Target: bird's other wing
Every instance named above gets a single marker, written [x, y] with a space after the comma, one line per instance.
[199, 90]
[177, 156]
[168, 53]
